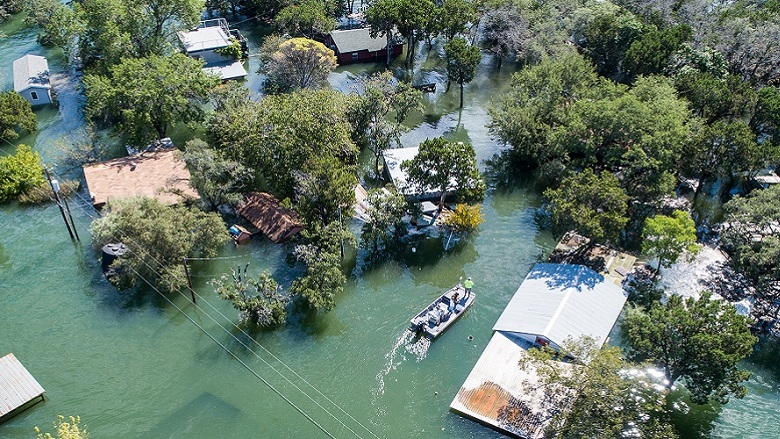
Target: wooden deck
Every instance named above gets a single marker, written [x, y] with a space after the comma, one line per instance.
[17, 387]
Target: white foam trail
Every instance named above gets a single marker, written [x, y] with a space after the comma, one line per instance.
[420, 348]
[390, 359]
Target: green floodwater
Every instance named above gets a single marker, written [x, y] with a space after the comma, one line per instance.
[133, 366]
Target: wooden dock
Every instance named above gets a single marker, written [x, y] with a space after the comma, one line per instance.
[18, 389]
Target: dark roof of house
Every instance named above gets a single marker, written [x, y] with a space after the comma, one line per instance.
[263, 211]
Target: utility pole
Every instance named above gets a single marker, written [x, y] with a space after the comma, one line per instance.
[189, 278]
[55, 187]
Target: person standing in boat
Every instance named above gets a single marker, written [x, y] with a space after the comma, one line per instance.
[468, 285]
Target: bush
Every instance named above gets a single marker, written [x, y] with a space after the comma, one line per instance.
[20, 173]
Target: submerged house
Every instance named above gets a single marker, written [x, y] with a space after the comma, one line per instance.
[31, 79]
[554, 303]
[356, 45]
[274, 221]
[205, 43]
[159, 174]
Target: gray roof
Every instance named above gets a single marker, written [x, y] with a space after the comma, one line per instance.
[31, 71]
[355, 40]
[227, 70]
[559, 301]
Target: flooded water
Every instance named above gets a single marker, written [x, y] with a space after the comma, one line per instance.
[133, 365]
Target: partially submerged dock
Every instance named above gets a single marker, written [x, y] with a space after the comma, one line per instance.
[18, 389]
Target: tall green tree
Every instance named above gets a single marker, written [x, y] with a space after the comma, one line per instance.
[696, 342]
[669, 237]
[15, 115]
[277, 137]
[383, 225]
[751, 235]
[446, 167]
[369, 111]
[158, 237]
[260, 300]
[309, 19]
[297, 64]
[219, 180]
[597, 397]
[382, 17]
[113, 30]
[462, 62]
[20, 173]
[722, 150]
[541, 99]
[57, 22]
[323, 279]
[325, 191]
[594, 205]
[147, 96]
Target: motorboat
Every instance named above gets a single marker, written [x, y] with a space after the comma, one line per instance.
[442, 312]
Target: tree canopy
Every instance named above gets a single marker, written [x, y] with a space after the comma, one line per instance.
[219, 180]
[260, 300]
[608, 397]
[445, 166]
[15, 115]
[697, 342]
[594, 205]
[669, 237]
[147, 96]
[462, 62]
[158, 237]
[296, 64]
[20, 173]
[751, 234]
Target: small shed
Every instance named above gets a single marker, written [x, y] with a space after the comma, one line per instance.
[263, 211]
[31, 79]
[18, 389]
[356, 45]
[160, 174]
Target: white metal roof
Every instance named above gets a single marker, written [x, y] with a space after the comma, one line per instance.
[204, 38]
[355, 40]
[227, 70]
[31, 71]
[559, 301]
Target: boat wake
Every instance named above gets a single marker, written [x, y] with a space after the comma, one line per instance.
[419, 348]
[406, 342]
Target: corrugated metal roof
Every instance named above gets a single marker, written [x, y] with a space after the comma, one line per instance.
[559, 301]
[355, 40]
[17, 385]
[497, 385]
[31, 71]
[227, 70]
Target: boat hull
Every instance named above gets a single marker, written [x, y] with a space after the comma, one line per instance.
[434, 319]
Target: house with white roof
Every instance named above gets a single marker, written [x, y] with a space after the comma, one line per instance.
[31, 79]
[204, 43]
[554, 303]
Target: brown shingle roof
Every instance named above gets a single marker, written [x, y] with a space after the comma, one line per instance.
[159, 174]
[263, 211]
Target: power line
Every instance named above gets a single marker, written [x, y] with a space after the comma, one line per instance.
[280, 394]
[252, 338]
